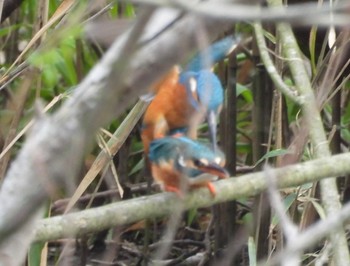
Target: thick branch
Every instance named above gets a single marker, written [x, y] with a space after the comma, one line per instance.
[297, 14]
[133, 210]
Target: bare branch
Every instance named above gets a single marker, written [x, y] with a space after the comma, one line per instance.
[270, 67]
[315, 233]
[298, 14]
[158, 205]
[289, 229]
[8, 6]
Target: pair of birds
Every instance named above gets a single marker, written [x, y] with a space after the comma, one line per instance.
[183, 99]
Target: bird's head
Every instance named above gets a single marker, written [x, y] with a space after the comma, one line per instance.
[189, 157]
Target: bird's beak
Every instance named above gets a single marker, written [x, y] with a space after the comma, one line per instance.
[212, 123]
[214, 169]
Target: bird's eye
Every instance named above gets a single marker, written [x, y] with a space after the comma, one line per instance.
[200, 162]
[197, 163]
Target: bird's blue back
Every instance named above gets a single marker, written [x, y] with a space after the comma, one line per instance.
[170, 148]
[208, 89]
[213, 54]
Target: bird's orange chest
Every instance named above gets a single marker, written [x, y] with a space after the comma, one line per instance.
[173, 105]
[179, 109]
[170, 109]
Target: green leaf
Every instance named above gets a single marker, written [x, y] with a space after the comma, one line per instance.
[248, 219]
[251, 251]
[245, 92]
[137, 167]
[67, 66]
[45, 58]
[287, 202]
[192, 214]
[113, 11]
[319, 209]
[312, 48]
[273, 153]
[129, 10]
[34, 254]
[270, 36]
[7, 30]
[243, 147]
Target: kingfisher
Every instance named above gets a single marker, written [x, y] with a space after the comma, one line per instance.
[179, 164]
[185, 97]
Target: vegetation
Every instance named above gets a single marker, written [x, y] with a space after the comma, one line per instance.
[71, 150]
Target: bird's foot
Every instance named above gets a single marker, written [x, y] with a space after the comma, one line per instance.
[211, 189]
[176, 190]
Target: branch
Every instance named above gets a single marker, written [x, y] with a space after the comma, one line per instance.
[158, 205]
[297, 14]
[8, 7]
[311, 237]
[270, 67]
[290, 231]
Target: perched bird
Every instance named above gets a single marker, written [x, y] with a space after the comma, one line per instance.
[180, 163]
[184, 98]
[181, 106]
[167, 110]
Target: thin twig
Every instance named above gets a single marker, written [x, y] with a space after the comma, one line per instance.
[18, 103]
[178, 208]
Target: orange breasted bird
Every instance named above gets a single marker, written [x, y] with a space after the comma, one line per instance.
[183, 95]
[180, 163]
[167, 110]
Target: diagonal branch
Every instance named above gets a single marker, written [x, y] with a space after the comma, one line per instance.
[8, 6]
